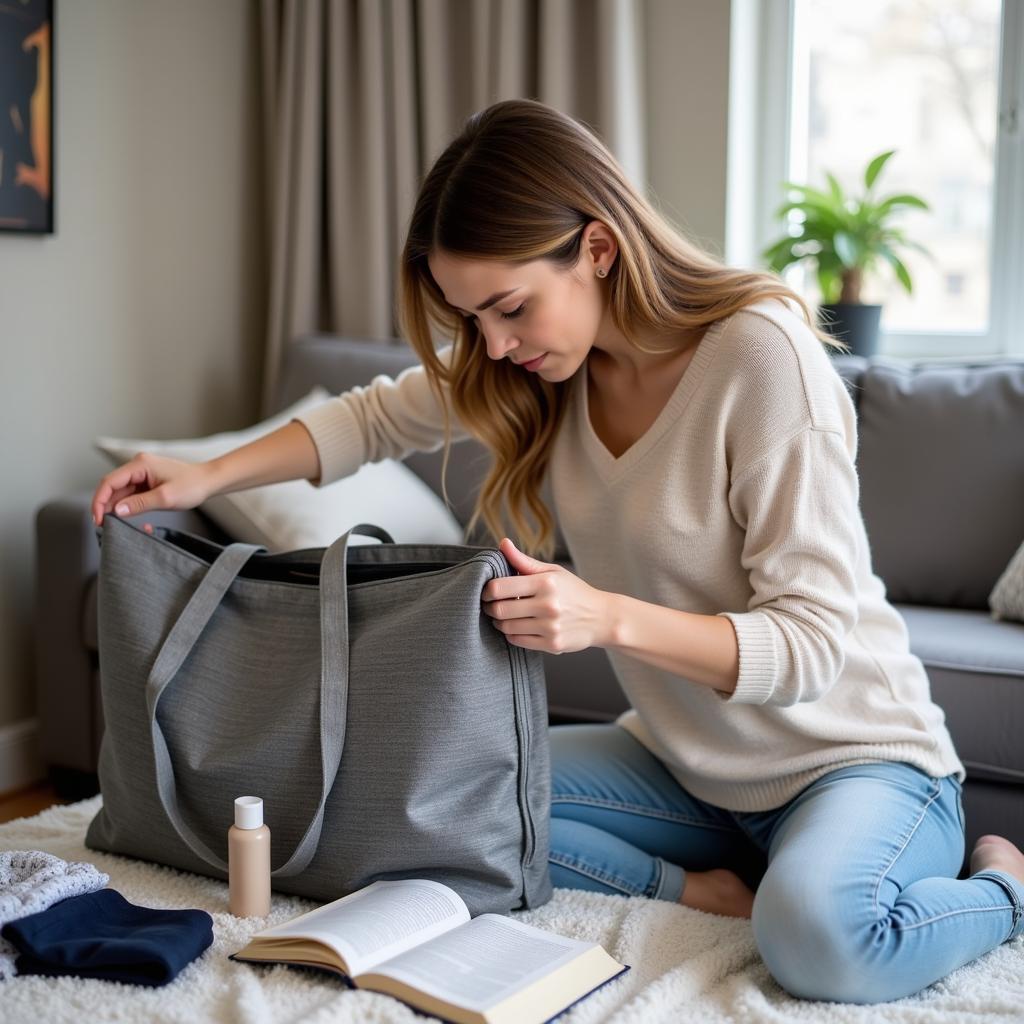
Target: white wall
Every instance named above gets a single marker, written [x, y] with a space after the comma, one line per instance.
[143, 314]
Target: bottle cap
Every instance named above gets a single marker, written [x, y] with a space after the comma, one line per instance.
[248, 812]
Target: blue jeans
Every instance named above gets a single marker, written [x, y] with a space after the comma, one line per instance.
[857, 896]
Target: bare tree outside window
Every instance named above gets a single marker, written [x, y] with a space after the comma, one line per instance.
[920, 77]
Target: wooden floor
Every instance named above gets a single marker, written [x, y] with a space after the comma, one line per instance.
[23, 803]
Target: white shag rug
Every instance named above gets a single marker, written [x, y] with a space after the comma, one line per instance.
[686, 965]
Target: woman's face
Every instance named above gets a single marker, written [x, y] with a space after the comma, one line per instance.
[526, 311]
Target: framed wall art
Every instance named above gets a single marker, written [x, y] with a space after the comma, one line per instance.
[26, 116]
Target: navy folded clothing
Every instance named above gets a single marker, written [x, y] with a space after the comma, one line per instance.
[101, 935]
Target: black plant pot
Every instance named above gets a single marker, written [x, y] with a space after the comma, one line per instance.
[855, 323]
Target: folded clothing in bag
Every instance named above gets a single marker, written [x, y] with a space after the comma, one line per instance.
[102, 935]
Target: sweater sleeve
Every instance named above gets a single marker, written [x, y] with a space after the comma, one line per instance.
[799, 506]
[389, 418]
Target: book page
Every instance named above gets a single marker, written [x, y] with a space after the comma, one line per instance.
[382, 920]
[483, 962]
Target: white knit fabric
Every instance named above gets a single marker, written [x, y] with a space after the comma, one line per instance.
[741, 500]
[32, 881]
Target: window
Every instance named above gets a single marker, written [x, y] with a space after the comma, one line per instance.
[941, 83]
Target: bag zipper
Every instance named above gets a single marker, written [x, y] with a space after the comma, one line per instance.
[520, 677]
[524, 677]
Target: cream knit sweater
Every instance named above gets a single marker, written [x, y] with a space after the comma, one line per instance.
[741, 500]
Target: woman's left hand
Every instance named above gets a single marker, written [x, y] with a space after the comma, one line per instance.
[555, 611]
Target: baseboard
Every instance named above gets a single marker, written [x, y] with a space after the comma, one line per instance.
[20, 762]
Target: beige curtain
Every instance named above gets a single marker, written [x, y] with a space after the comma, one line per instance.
[359, 98]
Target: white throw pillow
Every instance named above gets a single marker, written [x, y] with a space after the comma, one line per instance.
[1007, 598]
[295, 514]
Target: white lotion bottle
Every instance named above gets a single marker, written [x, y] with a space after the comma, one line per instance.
[249, 860]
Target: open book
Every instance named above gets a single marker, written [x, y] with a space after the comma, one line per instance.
[414, 939]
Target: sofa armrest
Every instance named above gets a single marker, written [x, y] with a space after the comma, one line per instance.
[67, 559]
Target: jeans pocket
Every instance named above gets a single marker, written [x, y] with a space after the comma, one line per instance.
[960, 808]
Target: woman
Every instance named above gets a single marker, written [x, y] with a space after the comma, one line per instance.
[700, 447]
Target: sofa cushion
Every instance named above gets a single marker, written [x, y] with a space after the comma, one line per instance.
[340, 363]
[941, 466]
[976, 668]
[291, 515]
[1007, 597]
[851, 368]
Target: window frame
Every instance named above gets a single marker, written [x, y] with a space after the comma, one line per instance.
[765, 128]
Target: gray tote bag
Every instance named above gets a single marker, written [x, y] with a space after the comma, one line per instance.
[361, 691]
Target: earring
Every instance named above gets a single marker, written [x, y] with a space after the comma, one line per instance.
[601, 271]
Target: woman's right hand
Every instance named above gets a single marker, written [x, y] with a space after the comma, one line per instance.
[150, 482]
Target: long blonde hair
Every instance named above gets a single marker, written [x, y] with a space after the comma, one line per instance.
[520, 183]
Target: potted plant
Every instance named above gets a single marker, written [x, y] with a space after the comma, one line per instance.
[845, 238]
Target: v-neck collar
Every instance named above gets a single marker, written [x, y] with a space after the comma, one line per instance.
[611, 466]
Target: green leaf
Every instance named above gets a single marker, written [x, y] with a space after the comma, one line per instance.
[810, 192]
[846, 249]
[837, 189]
[830, 285]
[804, 206]
[816, 231]
[863, 218]
[897, 263]
[835, 217]
[902, 200]
[918, 247]
[875, 167]
[782, 245]
[835, 232]
[894, 236]
[780, 255]
[830, 278]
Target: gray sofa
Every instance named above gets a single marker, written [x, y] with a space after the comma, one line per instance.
[941, 464]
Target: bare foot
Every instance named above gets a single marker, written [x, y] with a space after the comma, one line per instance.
[999, 853]
[718, 891]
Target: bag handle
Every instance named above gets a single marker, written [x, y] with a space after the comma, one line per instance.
[334, 652]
